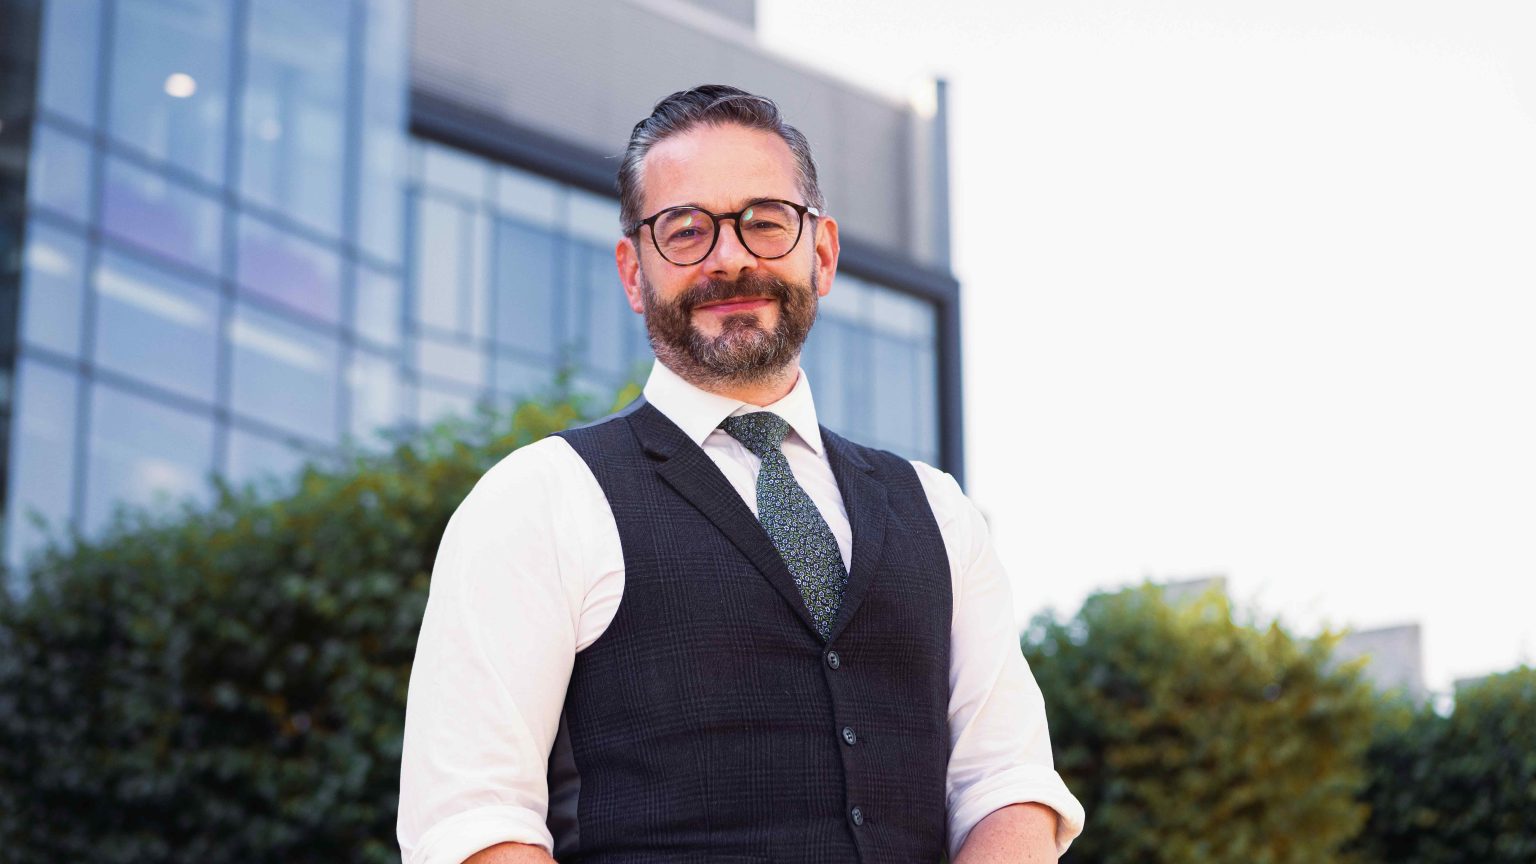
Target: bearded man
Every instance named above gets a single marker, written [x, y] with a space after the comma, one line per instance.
[708, 629]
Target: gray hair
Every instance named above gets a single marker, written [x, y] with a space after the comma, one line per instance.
[711, 105]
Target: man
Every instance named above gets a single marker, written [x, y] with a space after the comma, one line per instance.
[706, 629]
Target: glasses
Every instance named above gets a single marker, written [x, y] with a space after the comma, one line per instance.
[686, 235]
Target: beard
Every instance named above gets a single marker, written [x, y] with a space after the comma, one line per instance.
[744, 352]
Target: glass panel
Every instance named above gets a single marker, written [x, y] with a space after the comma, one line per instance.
[156, 327]
[381, 206]
[142, 452]
[899, 314]
[447, 170]
[893, 393]
[377, 310]
[293, 123]
[284, 375]
[455, 362]
[374, 384]
[530, 198]
[290, 270]
[71, 41]
[434, 404]
[60, 174]
[475, 308]
[52, 287]
[161, 215]
[257, 458]
[42, 457]
[926, 387]
[440, 257]
[846, 299]
[519, 379]
[525, 287]
[607, 331]
[593, 218]
[170, 81]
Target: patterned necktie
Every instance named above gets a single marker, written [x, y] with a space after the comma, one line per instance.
[791, 519]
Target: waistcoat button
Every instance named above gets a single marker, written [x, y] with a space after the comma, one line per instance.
[857, 815]
[848, 736]
[833, 660]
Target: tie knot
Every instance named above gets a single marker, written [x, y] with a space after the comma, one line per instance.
[761, 432]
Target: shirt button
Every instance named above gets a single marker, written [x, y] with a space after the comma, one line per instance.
[833, 660]
[857, 816]
[848, 737]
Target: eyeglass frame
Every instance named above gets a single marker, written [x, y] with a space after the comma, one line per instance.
[800, 210]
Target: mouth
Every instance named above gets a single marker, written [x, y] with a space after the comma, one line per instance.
[735, 304]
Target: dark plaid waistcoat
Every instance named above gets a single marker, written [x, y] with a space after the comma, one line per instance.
[710, 723]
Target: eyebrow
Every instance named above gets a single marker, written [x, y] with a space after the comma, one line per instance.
[746, 204]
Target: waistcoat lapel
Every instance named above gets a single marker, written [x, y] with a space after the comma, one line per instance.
[689, 470]
[868, 509]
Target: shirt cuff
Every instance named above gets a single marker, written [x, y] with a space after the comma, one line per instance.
[463, 834]
[1025, 784]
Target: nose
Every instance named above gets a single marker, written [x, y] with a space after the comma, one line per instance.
[729, 259]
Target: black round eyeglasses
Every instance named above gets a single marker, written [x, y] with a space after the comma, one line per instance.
[686, 235]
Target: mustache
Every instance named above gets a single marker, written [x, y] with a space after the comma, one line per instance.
[721, 290]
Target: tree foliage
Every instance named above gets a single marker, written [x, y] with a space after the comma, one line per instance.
[1192, 738]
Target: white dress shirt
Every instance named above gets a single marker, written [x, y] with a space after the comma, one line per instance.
[530, 572]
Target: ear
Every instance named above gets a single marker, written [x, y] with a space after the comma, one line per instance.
[827, 249]
[627, 257]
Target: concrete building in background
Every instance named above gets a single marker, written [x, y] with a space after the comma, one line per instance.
[238, 234]
[1396, 657]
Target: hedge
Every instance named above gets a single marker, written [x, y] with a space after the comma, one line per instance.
[228, 684]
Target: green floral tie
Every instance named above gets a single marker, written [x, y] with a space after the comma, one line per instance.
[791, 519]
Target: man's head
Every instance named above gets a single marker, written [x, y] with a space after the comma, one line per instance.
[738, 315]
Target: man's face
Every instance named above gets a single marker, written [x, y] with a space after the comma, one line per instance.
[732, 318]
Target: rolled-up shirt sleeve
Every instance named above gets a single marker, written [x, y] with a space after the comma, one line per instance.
[1000, 746]
[493, 661]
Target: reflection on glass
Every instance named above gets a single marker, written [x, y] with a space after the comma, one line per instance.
[156, 327]
[293, 124]
[377, 310]
[53, 279]
[444, 360]
[448, 170]
[272, 464]
[284, 375]
[161, 215]
[71, 44]
[892, 394]
[525, 287]
[381, 194]
[441, 255]
[170, 80]
[373, 382]
[297, 273]
[142, 452]
[42, 458]
[519, 379]
[607, 328]
[529, 197]
[434, 404]
[59, 177]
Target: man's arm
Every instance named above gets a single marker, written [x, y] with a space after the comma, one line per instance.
[1000, 747]
[511, 853]
[1016, 834]
[494, 658]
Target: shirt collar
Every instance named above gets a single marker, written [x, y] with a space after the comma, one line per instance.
[698, 412]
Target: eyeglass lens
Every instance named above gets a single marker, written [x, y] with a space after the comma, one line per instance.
[768, 230]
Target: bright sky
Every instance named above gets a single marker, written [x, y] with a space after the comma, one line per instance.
[1250, 290]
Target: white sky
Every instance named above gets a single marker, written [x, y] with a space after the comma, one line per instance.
[1250, 289]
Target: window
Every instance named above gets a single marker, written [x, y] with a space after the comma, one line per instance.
[284, 375]
[156, 327]
[145, 453]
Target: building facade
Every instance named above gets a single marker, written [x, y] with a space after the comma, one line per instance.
[241, 234]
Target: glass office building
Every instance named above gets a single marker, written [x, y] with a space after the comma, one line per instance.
[240, 234]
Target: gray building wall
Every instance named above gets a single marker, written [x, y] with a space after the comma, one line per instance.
[1396, 657]
[586, 72]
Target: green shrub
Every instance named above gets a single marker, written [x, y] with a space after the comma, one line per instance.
[1461, 788]
[1191, 738]
[228, 685]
